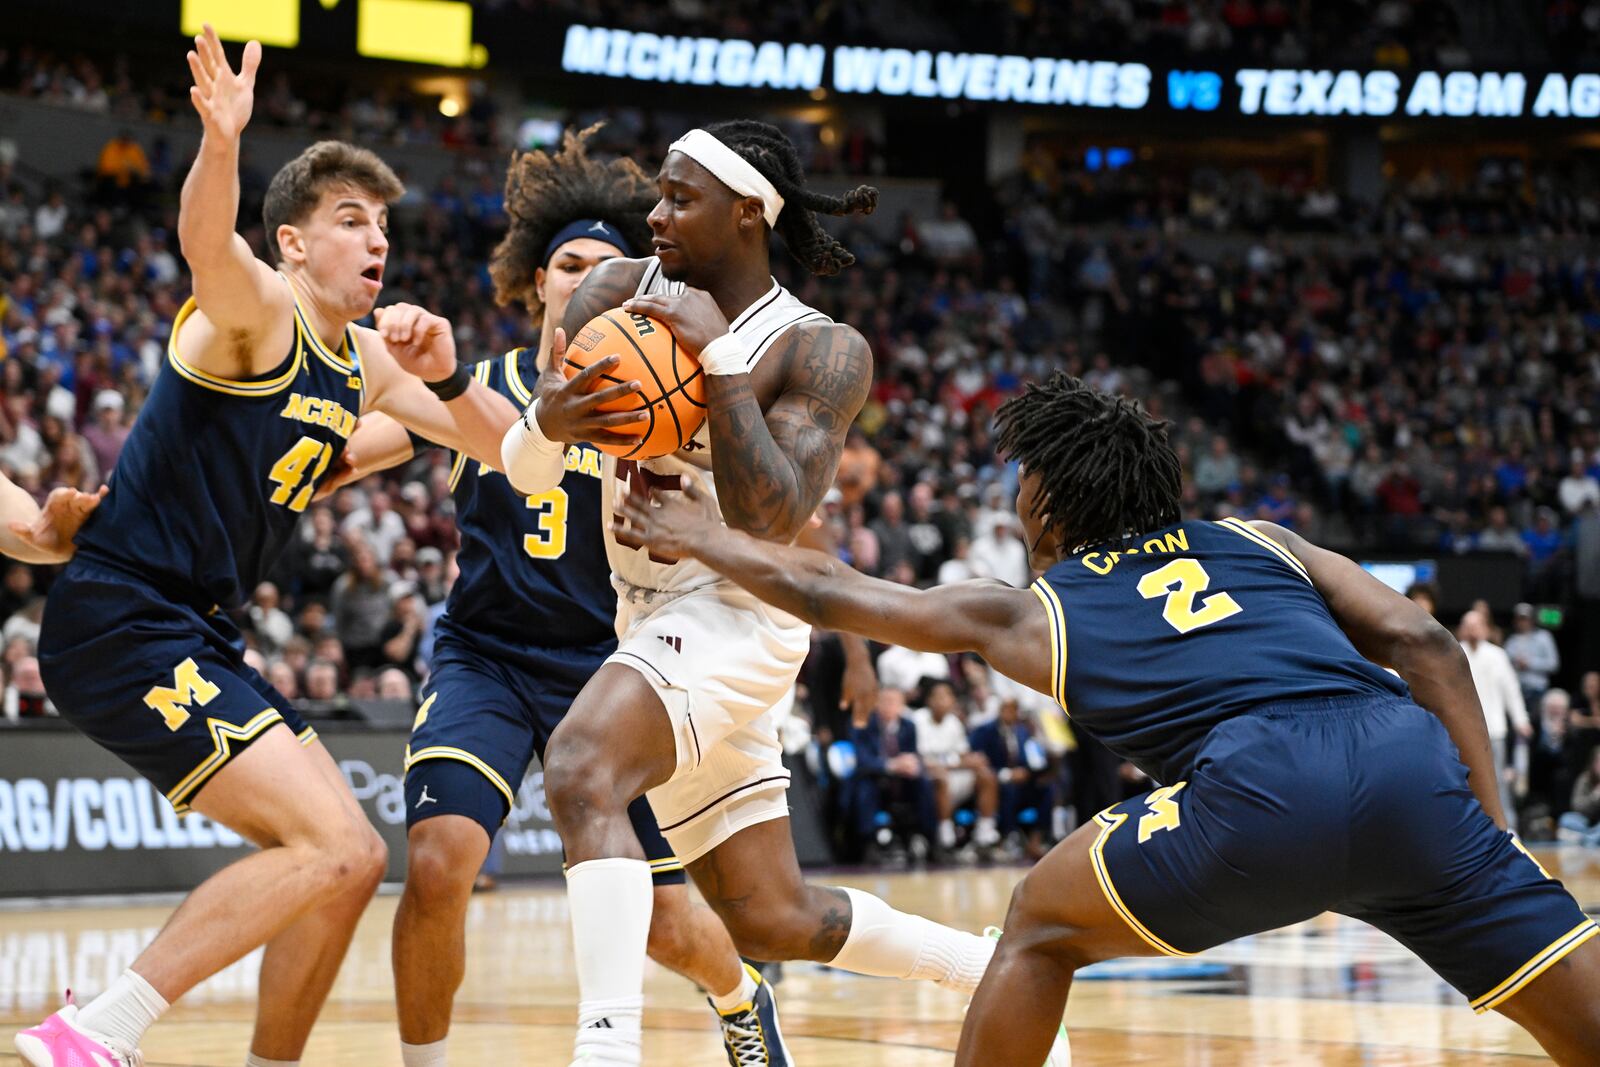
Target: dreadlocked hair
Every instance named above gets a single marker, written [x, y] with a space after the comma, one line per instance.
[546, 192]
[766, 148]
[1106, 467]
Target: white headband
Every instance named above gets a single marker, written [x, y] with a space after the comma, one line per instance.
[731, 169]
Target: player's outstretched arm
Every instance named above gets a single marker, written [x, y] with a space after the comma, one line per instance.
[787, 456]
[33, 534]
[1006, 626]
[236, 291]
[411, 347]
[1394, 632]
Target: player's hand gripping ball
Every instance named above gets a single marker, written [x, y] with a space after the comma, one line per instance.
[672, 400]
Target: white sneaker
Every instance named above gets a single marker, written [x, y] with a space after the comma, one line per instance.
[60, 1042]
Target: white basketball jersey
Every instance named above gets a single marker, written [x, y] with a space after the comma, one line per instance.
[762, 323]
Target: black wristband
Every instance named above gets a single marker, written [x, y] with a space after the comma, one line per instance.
[453, 386]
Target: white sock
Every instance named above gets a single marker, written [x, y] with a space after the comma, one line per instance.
[741, 994]
[610, 901]
[893, 944]
[124, 1011]
[429, 1055]
[253, 1060]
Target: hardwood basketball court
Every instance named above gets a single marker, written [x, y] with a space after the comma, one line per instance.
[1330, 992]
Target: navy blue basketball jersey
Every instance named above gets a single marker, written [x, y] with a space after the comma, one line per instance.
[1186, 627]
[216, 473]
[533, 568]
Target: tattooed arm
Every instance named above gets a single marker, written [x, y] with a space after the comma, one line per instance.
[787, 458]
[783, 459]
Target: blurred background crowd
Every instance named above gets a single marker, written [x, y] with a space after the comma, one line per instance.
[1414, 369]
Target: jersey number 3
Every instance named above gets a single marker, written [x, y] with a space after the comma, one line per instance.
[1181, 582]
[551, 540]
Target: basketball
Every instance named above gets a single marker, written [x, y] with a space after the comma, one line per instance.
[673, 403]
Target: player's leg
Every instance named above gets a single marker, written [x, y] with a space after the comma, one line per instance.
[274, 794]
[1059, 921]
[1561, 1008]
[429, 949]
[752, 881]
[301, 963]
[471, 744]
[615, 743]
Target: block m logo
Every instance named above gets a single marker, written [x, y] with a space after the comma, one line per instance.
[187, 689]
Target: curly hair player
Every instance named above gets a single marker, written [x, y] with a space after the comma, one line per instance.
[687, 707]
[1244, 668]
[527, 623]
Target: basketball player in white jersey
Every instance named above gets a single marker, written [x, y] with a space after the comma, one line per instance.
[687, 707]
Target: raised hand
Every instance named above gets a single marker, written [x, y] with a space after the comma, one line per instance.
[64, 512]
[673, 522]
[223, 99]
[570, 413]
[420, 341]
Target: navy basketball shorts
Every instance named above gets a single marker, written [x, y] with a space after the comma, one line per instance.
[486, 713]
[1352, 805]
[160, 684]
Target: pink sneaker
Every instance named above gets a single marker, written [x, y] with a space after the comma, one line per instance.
[58, 1042]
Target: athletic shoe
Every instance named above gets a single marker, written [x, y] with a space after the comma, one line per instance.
[60, 1042]
[1061, 1049]
[750, 1032]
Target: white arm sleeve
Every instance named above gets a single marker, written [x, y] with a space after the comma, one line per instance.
[534, 463]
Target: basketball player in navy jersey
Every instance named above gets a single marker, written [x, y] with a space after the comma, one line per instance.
[530, 619]
[687, 708]
[1243, 668]
[266, 374]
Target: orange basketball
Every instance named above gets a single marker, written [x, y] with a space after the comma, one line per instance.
[673, 403]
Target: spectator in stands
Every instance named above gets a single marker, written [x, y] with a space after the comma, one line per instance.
[1557, 755]
[378, 523]
[1000, 553]
[958, 773]
[1501, 697]
[394, 684]
[1579, 489]
[1218, 469]
[321, 556]
[123, 170]
[1581, 823]
[1533, 653]
[269, 622]
[322, 687]
[888, 770]
[1500, 535]
[894, 537]
[1007, 743]
[107, 434]
[283, 678]
[905, 670]
[402, 634]
[361, 607]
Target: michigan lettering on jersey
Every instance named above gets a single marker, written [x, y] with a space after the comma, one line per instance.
[1102, 562]
[579, 458]
[320, 411]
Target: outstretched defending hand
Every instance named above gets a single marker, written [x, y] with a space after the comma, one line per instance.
[64, 512]
[223, 99]
[674, 522]
[568, 412]
[420, 341]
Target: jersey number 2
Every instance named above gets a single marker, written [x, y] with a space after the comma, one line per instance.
[1181, 581]
[551, 540]
[291, 472]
